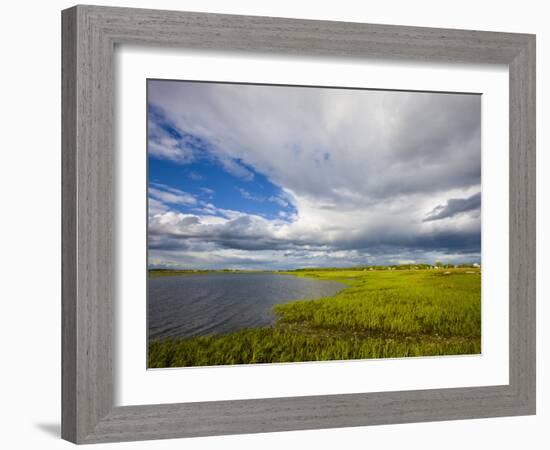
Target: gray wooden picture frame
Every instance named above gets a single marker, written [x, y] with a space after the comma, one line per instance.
[90, 34]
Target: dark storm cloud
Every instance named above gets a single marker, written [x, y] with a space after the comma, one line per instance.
[455, 206]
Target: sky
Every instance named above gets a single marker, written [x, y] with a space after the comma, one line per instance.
[283, 177]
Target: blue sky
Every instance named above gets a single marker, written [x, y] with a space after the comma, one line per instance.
[238, 187]
[272, 177]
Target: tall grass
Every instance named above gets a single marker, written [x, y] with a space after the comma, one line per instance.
[399, 302]
[381, 314]
[275, 345]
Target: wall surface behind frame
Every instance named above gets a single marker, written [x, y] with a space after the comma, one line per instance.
[30, 226]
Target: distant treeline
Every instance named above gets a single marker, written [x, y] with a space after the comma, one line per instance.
[437, 265]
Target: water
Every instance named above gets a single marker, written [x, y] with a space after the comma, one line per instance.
[198, 305]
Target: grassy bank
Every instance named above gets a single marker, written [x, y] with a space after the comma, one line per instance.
[381, 314]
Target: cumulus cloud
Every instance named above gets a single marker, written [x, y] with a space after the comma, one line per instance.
[360, 168]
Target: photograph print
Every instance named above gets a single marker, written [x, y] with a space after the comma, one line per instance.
[288, 224]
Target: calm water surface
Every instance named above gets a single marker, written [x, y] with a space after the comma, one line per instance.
[195, 305]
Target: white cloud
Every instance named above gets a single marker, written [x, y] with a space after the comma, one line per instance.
[167, 195]
[164, 146]
[207, 191]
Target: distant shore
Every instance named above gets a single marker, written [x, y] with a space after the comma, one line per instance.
[170, 272]
[157, 272]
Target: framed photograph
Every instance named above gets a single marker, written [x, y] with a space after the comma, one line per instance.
[267, 222]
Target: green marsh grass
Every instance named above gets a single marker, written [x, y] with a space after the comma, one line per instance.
[381, 314]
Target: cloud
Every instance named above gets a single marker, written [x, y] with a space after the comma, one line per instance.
[360, 169]
[222, 230]
[283, 199]
[207, 191]
[279, 200]
[248, 196]
[156, 207]
[167, 195]
[381, 143]
[236, 169]
[195, 176]
[169, 144]
[455, 206]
